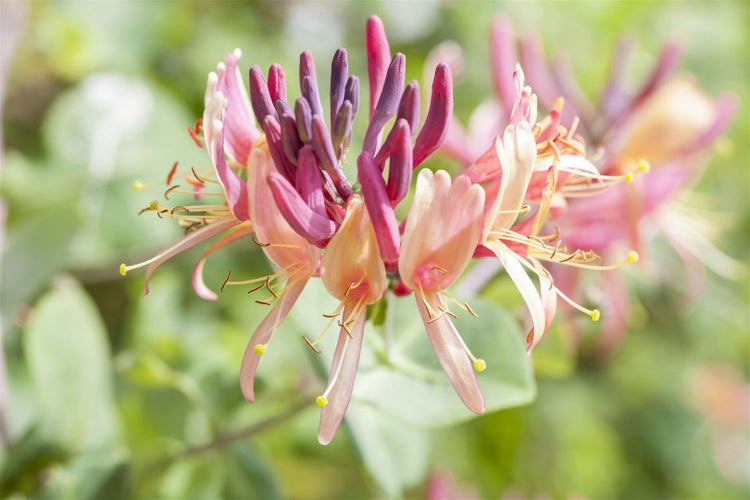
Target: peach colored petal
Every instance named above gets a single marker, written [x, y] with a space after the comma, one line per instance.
[343, 372]
[264, 333]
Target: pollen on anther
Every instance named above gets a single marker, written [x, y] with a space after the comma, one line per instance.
[480, 365]
[123, 269]
[259, 349]
[644, 165]
[321, 400]
[137, 186]
[154, 205]
[595, 314]
[633, 256]
[629, 177]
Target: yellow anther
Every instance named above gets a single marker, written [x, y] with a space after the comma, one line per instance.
[259, 349]
[629, 177]
[137, 185]
[154, 205]
[123, 269]
[559, 104]
[644, 165]
[480, 365]
[595, 315]
[321, 400]
[633, 256]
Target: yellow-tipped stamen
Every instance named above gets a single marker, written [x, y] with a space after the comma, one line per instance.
[335, 377]
[260, 349]
[592, 313]
[480, 365]
[644, 165]
[633, 256]
[123, 269]
[137, 186]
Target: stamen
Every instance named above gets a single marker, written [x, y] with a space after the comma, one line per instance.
[324, 397]
[594, 314]
[260, 349]
[171, 173]
[195, 133]
[259, 243]
[226, 280]
[169, 190]
[200, 179]
[311, 345]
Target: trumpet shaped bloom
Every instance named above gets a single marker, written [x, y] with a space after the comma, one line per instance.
[228, 136]
[443, 228]
[296, 260]
[353, 272]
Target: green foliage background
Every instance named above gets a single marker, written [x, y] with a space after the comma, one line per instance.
[114, 395]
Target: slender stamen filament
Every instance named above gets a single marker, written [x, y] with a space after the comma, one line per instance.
[322, 400]
[594, 314]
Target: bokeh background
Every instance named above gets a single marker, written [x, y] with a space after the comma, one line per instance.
[110, 394]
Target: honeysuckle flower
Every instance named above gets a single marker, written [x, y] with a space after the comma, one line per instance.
[442, 230]
[225, 122]
[668, 121]
[528, 174]
[354, 273]
[294, 258]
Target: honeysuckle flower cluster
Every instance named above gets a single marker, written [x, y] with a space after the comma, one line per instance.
[278, 169]
[667, 126]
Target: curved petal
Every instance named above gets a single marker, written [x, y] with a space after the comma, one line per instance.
[451, 353]
[343, 371]
[264, 332]
[525, 286]
[185, 242]
[239, 232]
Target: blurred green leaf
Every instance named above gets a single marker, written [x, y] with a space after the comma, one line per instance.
[23, 464]
[395, 455]
[68, 359]
[421, 395]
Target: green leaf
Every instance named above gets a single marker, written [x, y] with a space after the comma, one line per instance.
[407, 381]
[395, 455]
[68, 358]
[23, 464]
[412, 386]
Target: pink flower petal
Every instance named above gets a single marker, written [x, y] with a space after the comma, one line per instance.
[265, 331]
[344, 369]
[236, 233]
[450, 351]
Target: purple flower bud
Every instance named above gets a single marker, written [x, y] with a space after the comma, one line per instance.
[341, 133]
[272, 129]
[379, 208]
[388, 103]
[400, 168]
[303, 116]
[378, 57]
[339, 72]
[408, 108]
[351, 94]
[308, 82]
[312, 226]
[259, 96]
[276, 83]
[290, 142]
[310, 180]
[439, 115]
[321, 141]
